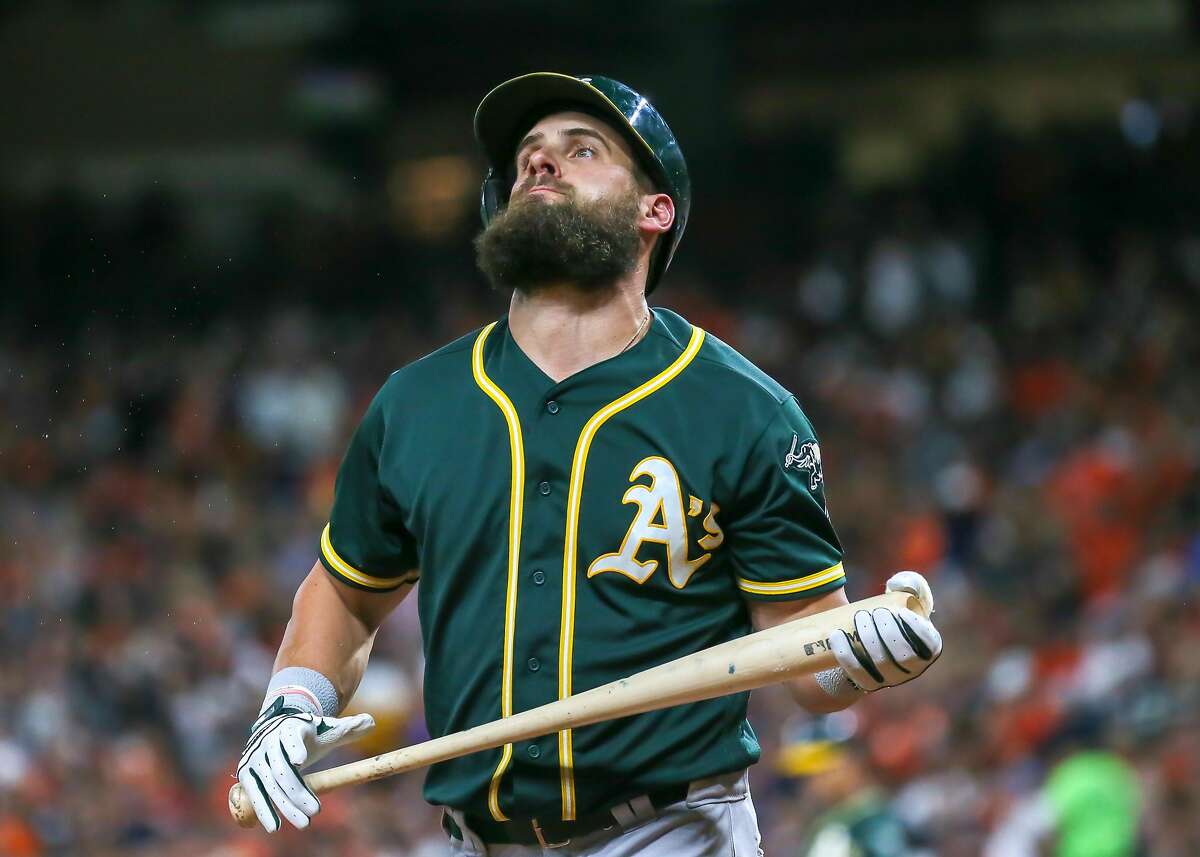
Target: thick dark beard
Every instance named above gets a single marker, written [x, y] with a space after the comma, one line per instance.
[533, 243]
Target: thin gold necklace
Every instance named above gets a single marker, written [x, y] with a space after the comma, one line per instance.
[636, 333]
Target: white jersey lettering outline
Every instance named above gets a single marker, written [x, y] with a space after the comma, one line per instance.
[661, 518]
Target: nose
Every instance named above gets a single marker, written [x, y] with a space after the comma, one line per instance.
[542, 162]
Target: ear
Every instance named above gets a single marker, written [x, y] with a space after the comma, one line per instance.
[658, 212]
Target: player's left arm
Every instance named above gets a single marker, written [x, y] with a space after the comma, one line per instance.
[787, 562]
[890, 647]
[805, 690]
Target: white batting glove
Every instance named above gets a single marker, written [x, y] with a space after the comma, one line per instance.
[892, 646]
[282, 741]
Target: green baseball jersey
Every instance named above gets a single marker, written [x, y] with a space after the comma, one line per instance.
[569, 534]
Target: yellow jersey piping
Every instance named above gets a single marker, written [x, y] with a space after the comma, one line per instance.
[788, 587]
[351, 573]
[516, 508]
[578, 466]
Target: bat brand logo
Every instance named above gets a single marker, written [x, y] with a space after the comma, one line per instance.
[805, 457]
[821, 645]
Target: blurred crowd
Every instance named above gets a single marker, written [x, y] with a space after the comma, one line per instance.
[999, 360]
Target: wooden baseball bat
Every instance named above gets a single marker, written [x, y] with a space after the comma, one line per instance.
[776, 654]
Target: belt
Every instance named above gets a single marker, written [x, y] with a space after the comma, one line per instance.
[553, 834]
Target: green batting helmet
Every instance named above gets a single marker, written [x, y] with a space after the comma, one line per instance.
[510, 109]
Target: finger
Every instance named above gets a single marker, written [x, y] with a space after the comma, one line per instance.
[292, 741]
[849, 660]
[263, 809]
[881, 661]
[913, 583]
[284, 804]
[344, 729]
[289, 779]
[921, 634]
[360, 724]
[900, 652]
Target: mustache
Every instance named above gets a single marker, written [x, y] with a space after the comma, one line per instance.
[529, 184]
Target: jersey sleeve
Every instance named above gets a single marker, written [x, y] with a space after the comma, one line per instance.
[784, 545]
[365, 543]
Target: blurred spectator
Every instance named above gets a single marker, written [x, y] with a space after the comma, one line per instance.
[853, 814]
[1089, 807]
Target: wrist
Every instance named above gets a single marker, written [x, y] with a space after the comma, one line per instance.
[837, 684]
[303, 689]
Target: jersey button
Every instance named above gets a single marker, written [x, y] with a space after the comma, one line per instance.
[533, 750]
[534, 665]
[544, 488]
[538, 577]
[552, 406]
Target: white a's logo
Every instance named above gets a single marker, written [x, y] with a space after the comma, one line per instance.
[661, 518]
[805, 457]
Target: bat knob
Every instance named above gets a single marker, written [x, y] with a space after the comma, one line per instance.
[240, 807]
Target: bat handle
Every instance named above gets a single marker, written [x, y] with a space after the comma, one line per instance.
[240, 807]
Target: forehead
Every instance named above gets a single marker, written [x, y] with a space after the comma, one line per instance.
[553, 125]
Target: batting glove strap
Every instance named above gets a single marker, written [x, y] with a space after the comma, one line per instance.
[275, 709]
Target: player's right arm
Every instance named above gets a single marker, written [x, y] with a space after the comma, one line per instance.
[333, 627]
[328, 637]
[367, 565]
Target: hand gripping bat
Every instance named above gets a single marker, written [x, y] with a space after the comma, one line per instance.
[799, 647]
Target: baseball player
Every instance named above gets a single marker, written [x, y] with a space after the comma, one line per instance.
[585, 488]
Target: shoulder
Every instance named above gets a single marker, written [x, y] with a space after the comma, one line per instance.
[729, 371]
[447, 365]
[424, 379]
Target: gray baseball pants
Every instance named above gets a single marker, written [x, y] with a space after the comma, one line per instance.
[715, 820]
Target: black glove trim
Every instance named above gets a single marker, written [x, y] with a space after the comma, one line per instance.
[883, 642]
[299, 776]
[860, 651]
[257, 738]
[267, 798]
[918, 645]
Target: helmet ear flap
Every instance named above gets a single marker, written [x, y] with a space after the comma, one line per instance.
[493, 196]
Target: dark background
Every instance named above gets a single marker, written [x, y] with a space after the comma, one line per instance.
[966, 235]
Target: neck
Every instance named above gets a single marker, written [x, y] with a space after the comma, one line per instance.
[564, 330]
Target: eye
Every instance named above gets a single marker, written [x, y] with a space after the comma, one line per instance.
[589, 149]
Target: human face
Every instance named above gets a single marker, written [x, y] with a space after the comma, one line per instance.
[572, 155]
[576, 214]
